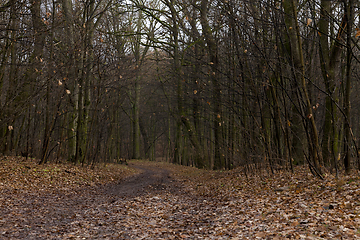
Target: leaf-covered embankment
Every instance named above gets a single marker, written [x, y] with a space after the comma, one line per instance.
[20, 174]
[296, 206]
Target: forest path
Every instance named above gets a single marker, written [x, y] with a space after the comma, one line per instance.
[166, 201]
[149, 205]
[149, 179]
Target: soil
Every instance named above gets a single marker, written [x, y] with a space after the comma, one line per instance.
[150, 179]
[86, 213]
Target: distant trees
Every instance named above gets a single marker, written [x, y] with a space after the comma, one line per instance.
[215, 84]
[259, 65]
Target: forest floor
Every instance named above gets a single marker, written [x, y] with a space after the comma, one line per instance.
[148, 200]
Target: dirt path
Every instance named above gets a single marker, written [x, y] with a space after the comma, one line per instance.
[149, 205]
[149, 180]
[152, 205]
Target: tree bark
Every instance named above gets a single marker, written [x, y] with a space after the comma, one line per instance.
[348, 6]
[214, 76]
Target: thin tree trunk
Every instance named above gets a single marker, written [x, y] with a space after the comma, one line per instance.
[316, 154]
[347, 141]
[216, 94]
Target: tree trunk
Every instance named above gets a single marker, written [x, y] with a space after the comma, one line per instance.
[329, 59]
[348, 6]
[71, 75]
[216, 94]
[290, 7]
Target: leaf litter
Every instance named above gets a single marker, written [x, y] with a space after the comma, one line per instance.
[60, 201]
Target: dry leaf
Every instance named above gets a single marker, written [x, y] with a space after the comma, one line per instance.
[308, 22]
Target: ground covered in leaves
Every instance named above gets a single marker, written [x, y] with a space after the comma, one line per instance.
[147, 200]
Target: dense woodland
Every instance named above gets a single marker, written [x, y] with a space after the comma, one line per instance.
[213, 84]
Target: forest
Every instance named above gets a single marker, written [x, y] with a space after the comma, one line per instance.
[233, 119]
[212, 84]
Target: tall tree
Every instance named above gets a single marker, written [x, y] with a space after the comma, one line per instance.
[298, 68]
[214, 76]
